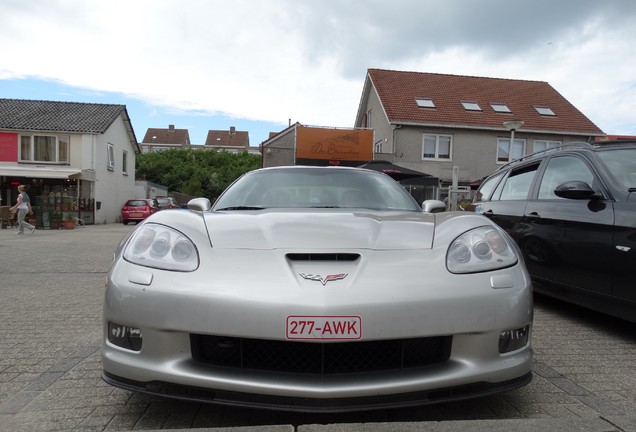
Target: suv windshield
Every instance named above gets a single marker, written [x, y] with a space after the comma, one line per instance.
[621, 163]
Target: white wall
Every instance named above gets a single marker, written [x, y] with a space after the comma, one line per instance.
[146, 189]
[113, 188]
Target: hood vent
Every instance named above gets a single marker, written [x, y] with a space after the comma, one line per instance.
[346, 257]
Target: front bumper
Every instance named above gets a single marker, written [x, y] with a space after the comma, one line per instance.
[364, 403]
[169, 308]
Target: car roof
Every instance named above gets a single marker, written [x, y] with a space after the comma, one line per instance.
[568, 147]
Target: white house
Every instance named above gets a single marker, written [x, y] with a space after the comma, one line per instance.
[74, 158]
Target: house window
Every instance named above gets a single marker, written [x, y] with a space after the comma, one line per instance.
[368, 125]
[110, 150]
[500, 108]
[506, 154]
[545, 111]
[44, 148]
[124, 162]
[377, 148]
[546, 145]
[425, 103]
[471, 106]
[436, 146]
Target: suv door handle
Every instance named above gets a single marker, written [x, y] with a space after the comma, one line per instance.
[533, 215]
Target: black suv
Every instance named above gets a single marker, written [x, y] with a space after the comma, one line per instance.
[572, 211]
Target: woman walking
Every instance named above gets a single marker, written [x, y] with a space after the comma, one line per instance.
[23, 206]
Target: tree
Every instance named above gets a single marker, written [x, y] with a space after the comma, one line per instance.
[195, 172]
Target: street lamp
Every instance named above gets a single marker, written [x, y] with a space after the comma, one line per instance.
[512, 126]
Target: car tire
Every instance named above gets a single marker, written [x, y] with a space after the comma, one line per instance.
[125, 222]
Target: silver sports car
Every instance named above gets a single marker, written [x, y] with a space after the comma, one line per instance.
[317, 289]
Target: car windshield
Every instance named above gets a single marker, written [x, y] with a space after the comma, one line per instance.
[305, 187]
[622, 164]
[136, 203]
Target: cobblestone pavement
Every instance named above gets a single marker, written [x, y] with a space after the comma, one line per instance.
[51, 289]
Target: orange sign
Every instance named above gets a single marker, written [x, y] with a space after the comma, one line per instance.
[333, 145]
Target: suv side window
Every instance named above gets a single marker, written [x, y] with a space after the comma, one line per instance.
[563, 169]
[486, 188]
[517, 185]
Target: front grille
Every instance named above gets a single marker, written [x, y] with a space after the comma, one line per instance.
[320, 358]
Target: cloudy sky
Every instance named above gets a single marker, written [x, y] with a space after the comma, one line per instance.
[258, 64]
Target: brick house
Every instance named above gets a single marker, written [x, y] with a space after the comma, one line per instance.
[454, 127]
[159, 139]
[231, 140]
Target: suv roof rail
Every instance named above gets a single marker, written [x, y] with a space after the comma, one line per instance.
[575, 144]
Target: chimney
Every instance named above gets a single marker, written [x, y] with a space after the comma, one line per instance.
[232, 130]
[171, 128]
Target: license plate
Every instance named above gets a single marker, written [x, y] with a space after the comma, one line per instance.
[135, 214]
[324, 327]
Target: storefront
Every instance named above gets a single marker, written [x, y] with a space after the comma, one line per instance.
[56, 195]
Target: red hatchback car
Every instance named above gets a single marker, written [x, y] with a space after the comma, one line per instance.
[136, 210]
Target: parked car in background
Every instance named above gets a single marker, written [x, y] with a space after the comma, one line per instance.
[572, 211]
[136, 210]
[317, 289]
[167, 203]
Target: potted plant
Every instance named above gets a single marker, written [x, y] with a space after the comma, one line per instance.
[69, 221]
[68, 203]
[55, 219]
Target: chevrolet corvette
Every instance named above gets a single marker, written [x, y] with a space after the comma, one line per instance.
[317, 289]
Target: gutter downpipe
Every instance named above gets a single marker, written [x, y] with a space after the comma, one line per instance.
[394, 139]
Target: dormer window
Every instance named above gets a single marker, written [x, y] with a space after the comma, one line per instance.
[471, 106]
[425, 103]
[545, 111]
[500, 108]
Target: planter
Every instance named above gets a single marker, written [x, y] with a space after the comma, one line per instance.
[56, 223]
[69, 224]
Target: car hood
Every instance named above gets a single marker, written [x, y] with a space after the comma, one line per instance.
[272, 229]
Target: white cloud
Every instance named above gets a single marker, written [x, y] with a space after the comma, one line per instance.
[306, 60]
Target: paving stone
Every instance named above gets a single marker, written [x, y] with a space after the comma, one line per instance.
[50, 364]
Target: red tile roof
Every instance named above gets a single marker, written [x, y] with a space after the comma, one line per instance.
[225, 139]
[398, 92]
[167, 136]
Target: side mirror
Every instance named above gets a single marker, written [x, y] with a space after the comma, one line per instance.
[577, 190]
[199, 204]
[433, 206]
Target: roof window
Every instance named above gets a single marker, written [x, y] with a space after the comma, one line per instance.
[471, 106]
[425, 103]
[544, 111]
[500, 108]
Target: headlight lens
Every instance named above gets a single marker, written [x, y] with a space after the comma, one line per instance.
[480, 249]
[158, 246]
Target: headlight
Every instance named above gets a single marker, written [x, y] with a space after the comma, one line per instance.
[480, 249]
[161, 247]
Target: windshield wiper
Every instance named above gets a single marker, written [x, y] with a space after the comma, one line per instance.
[241, 208]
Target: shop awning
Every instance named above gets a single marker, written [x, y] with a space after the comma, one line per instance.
[37, 172]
